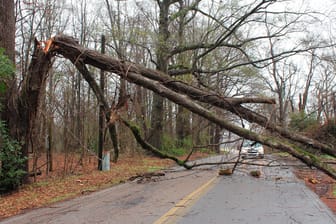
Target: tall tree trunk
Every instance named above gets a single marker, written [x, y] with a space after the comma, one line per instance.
[7, 28]
[304, 96]
[156, 134]
[28, 102]
[182, 124]
[183, 115]
[156, 128]
[7, 41]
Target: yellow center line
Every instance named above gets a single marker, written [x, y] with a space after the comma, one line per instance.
[185, 202]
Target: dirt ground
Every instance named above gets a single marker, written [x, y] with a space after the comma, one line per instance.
[323, 185]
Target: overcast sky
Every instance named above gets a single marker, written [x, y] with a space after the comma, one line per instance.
[322, 4]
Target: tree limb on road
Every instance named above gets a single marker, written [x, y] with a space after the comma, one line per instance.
[187, 96]
[69, 48]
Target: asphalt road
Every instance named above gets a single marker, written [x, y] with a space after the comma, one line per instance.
[197, 196]
[132, 202]
[277, 197]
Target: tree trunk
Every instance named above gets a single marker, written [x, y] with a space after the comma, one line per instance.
[33, 87]
[156, 134]
[182, 124]
[7, 41]
[183, 115]
[156, 129]
[304, 98]
[7, 28]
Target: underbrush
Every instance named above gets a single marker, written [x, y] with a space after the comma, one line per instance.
[310, 126]
[175, 148]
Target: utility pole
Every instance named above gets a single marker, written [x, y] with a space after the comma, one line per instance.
[101, 112]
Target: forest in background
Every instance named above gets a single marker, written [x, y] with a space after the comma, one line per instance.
[231, 49]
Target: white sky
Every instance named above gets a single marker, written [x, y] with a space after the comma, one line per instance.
[322, 4]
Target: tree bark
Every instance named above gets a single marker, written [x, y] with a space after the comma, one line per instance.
[7, 41]
[28, 101]
[304, 96]
[7, 28]
[183, 121]
[182, 125]
[156, 130]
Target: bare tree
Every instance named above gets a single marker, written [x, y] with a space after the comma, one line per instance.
[303, 98]
[324, 91]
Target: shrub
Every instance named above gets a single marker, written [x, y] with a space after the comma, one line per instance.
[303, 122]
[172, 147]
[6, 70]
[326, 133]
[330, 128]
[11, 162]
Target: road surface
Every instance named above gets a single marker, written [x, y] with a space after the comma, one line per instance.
[277, 197]
[128, 203]
[197, 196]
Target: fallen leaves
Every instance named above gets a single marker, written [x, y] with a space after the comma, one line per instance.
[320, 183]
[313, 180]
[56, 188]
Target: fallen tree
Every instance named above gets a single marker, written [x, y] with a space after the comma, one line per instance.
[187, 96]
[70, 49]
